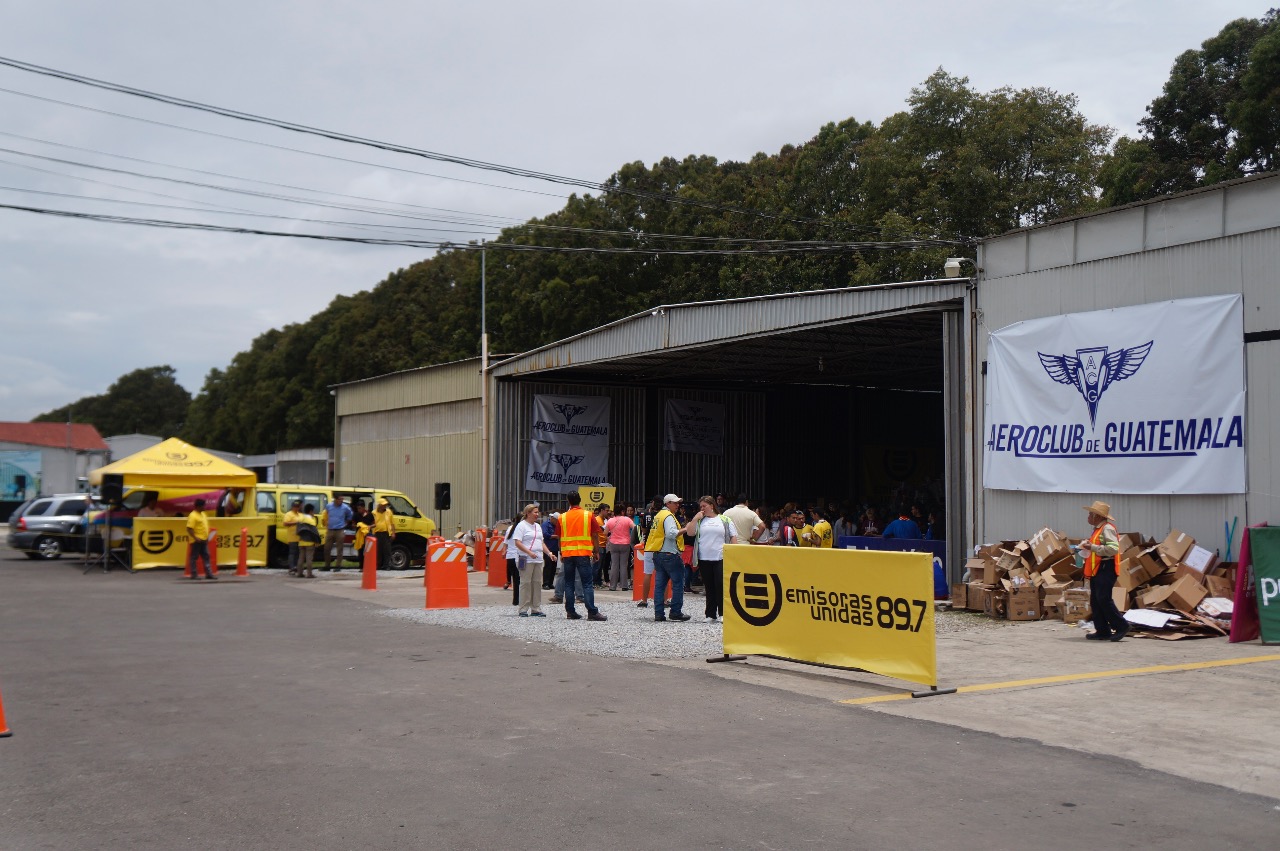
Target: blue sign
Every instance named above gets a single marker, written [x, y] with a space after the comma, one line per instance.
[905, 545]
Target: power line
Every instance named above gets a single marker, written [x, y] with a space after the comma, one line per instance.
[810, 248]
[393, 147]
[480, 226]
[97, 152]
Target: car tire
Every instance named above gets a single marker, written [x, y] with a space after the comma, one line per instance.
[398, 557]
[48, 548]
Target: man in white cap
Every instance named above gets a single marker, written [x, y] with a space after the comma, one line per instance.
[667, 543]
[1101, 567]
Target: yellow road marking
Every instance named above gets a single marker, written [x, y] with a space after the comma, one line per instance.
[1067, 678]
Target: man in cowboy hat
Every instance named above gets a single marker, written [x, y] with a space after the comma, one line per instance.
[1101, 566]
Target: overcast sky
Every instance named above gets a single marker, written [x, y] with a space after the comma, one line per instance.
[574, 88]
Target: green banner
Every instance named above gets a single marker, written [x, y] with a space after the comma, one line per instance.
[1264, 545]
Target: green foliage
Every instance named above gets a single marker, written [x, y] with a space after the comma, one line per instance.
[147, 401]
[1218, 118]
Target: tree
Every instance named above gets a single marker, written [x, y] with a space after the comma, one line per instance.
[1217, 118]
[149, 401]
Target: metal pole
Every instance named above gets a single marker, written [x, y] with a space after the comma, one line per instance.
[484, 401]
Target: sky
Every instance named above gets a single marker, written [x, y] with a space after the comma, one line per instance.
[570, 88]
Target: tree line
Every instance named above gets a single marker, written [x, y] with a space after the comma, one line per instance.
[956, 164]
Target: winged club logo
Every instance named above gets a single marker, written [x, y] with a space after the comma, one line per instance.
[567, 461]
[1091, 371]
[569, 411]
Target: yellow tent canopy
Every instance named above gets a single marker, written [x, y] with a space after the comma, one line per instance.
[175, 464]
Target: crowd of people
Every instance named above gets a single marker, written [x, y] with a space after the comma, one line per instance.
[574, 552]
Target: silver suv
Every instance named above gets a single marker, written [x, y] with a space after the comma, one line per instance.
[48, 526]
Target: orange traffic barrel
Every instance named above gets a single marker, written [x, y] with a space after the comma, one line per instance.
[369, 570]
[497, 562]
[4, 727]
[445, 576]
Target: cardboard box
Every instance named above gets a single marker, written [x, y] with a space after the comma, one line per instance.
[1075, 605]
[1155, 596]
[959, 595]
[1129, 540]
[1220, 586]
[1137, 569]
[1175, 545]
[1047, 546]
[1024, 604]
[1123, 599]
[1009, 560]
[1189, 572]
[996, 604]
[977, 596]
[1186, 594]
[1062, 570]
[977, 569]
[1200, 560]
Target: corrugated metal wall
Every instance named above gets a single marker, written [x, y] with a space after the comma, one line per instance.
[1244, 263]
[431, 385]
[409, 430]
[414, 465]
[741, 467]
[513, 423]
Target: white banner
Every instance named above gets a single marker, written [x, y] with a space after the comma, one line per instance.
[571, 420]
[561, 468]
[1146, 399]
[694, 427]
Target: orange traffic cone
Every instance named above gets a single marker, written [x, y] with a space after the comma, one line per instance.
[242, 561]
[4, 728]
[369, 573]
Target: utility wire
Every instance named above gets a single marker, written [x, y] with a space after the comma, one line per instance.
[392, 147]
[480, 226]
[231, 212]
[813, 248]
[100, 153]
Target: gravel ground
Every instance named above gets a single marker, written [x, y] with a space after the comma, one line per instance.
[630, 632]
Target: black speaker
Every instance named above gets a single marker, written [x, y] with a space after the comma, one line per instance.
[442, 496]
[112, 487]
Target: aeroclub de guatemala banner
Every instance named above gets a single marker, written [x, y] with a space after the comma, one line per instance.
[570, 445]
[1145, 399]
[694, 427]
[571, 420]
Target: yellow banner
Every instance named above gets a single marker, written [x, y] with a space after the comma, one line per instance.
[594, 496]
[844, 608]
[162, 541]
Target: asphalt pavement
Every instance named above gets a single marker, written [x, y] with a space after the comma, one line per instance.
[149, 711]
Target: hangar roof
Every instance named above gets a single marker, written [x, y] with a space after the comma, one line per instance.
[876, 334]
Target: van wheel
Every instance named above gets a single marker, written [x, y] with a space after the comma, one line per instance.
[398, 557]
[49, 548]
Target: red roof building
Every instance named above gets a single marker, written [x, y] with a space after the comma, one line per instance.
[78, 436]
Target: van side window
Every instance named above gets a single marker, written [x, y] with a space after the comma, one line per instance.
[72, 508]
[401, 506]
[266, 503]
[315, 500]
[39, 508]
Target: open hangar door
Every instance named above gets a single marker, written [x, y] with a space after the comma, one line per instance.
[851, 408]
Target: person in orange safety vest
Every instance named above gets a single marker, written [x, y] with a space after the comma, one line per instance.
[1101, 568]
[579, 532]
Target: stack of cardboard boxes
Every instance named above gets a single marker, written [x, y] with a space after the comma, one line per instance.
[1039, 578]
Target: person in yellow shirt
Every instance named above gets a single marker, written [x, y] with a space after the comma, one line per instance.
[308, 539]
[290, 534]
[804, 532]
[384, 531]
[822, 529]
[198, 535]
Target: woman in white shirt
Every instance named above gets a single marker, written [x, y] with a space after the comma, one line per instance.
[711, 531]
[530, 550]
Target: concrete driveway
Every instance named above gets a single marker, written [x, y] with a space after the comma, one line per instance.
[151, 712]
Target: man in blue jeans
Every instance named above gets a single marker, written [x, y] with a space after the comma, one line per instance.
[667, 564]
